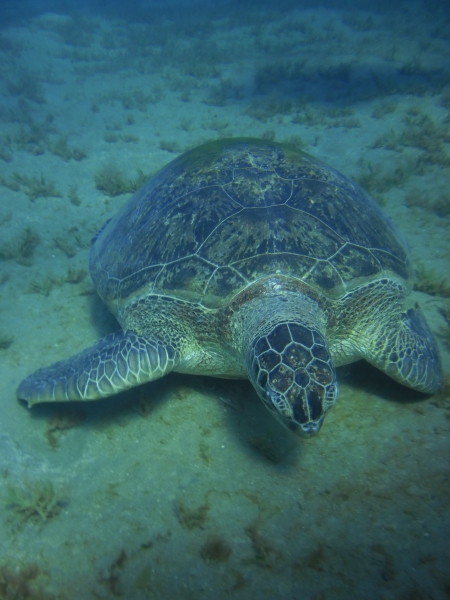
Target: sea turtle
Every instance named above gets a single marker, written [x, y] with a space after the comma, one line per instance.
[248, 258]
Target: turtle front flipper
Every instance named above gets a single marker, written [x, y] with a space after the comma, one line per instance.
[409, 354]
[116, 363]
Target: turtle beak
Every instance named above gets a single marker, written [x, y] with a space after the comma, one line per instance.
[310, 429]
[306, 430]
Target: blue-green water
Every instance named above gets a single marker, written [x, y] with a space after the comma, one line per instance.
[187, 487]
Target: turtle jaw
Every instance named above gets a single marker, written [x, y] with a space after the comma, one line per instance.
[300, 410]
[306, 430]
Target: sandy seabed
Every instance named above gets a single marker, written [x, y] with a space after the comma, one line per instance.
[187, 487]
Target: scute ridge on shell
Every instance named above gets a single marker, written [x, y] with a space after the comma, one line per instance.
[234, 211]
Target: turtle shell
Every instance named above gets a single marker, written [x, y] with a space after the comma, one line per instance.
[234, 211]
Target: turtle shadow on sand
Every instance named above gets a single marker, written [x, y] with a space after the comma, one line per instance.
[364, 377]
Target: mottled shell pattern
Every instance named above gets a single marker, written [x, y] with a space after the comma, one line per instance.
[234, 211]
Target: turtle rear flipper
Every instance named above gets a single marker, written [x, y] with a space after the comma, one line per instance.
[116, 363]
[410, 354]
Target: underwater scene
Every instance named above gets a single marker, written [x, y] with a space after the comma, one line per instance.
[291, 259]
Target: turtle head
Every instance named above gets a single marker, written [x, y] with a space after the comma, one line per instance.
[291, 369]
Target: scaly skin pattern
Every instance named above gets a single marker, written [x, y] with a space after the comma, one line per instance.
[247, 258]
[118, 362]
[278, 332]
